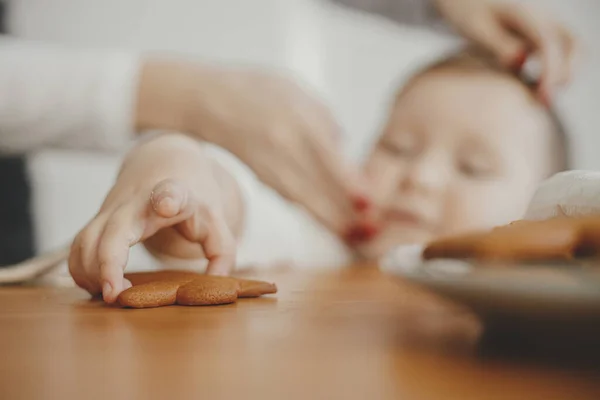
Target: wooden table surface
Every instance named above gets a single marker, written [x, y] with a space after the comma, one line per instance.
[354, 334]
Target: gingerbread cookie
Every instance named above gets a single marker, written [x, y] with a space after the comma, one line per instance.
[554, 239]
[589, 236]
[165, 288]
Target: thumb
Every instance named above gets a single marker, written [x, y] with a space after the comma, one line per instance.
[170, 199]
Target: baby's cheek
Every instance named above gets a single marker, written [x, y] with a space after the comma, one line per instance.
[483, 206]
[383, 173]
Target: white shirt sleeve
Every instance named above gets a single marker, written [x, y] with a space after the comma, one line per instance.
[64, 97]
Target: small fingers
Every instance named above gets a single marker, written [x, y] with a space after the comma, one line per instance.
[76, 267]
[209, 228]
[83, 258]
[120, 233]
[169, 204]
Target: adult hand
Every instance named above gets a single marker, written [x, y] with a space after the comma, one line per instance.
[286, 136]
[512, 32]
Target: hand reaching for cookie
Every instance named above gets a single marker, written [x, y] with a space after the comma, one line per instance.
[157, 195]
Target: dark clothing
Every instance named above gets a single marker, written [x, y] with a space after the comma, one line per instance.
[16, 222]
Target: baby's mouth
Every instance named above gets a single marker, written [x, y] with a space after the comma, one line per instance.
[365, 231]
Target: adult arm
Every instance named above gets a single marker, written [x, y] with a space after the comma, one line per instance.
[57, 96]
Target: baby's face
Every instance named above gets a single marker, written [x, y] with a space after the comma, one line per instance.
[460, 151]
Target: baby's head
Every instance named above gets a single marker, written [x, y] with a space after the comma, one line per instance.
[465, 146]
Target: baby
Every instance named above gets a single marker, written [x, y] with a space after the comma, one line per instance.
[464, 148]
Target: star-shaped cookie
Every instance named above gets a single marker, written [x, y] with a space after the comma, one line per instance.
[165, 288]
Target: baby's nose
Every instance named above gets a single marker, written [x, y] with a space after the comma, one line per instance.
[427, 174]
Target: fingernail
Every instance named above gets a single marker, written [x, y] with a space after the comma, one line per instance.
[162, 198]
[157, 199]
[106, 289]
[166, 206]
[519, 61]
[369, 229]
[166, 202]
[361, 203]
[361, 233]
[353, 235]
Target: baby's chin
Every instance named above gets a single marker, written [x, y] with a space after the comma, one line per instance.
[391, 238]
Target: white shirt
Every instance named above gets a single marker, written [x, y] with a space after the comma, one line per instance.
[276, 230]
[59, 96]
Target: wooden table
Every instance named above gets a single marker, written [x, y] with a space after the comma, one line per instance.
[353, 334]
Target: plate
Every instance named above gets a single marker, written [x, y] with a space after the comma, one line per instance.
[524, 292]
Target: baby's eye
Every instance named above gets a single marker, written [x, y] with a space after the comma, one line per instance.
[402, 147]
[476, 167]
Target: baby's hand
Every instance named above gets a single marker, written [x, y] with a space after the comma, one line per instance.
[100, 251]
